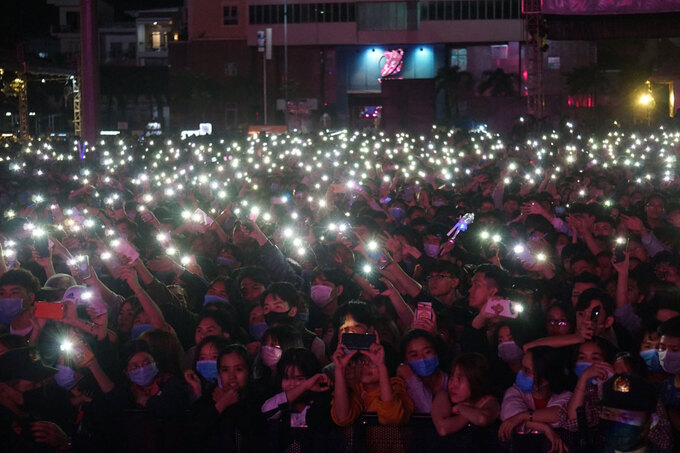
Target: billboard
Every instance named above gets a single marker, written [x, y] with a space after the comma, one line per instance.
[586, 7]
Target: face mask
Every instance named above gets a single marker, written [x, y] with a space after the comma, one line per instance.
[270, 355]
[398, 213]
[213, 298]
[140, 329]
[438, 203]
[321, 295]
[274, 317]
[303, 317]
[580, 367]
[424, 367]
[670, 361]
[651, 358]
[207, 369]
[144, 376]
[509, 352]
[10, 308]
[226, 261]
[257, 330]
[524, 382]
[431, 250]
[275, 186]
[65, 377]
[619, 436]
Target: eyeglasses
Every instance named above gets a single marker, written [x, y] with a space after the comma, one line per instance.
[558, 322]
[437, 276]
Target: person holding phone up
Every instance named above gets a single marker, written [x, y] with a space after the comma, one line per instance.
[372, 390]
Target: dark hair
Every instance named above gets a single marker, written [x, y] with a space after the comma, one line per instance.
[285, 291]
[550, 365]
[166, 349]
[285, 335]
[359, 310]
[238, 349]
[221, 318]
[333, 275]
[567, 309]
[255, 273]
[219, 342]
[13, 341]
[476, 370]
[587, 277]
[495, 274]
[670, 328]
[448, 267]
[135, 346]
[413, 334]
[609, 351]
[592, 294]
[23, 278]
[302, 358]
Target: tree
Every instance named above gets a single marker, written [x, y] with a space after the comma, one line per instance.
[452, 81]
[498, 83]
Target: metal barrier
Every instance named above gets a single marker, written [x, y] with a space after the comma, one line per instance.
[141, 433]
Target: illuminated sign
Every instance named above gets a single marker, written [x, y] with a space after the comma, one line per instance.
[392, 62]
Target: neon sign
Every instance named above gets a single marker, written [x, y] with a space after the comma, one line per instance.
[393, 60]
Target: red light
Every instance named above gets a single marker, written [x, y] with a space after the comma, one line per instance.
[525, 75]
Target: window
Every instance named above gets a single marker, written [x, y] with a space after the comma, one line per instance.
[387, 16]
[72, 21]
[159, 40]
[499, 52]
[553, 62]
[230, 15]
[459, 58]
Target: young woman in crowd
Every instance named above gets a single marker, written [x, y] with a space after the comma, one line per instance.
[465, 413]
[371, 389]
[230, 415]
[422, 369]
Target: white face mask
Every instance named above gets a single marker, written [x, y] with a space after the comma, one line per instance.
[321, 295]
[270, 355]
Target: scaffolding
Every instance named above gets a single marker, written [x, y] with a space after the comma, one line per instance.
[534, 42]
[77, 124]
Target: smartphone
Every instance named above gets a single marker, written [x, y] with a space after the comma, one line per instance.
[50, 310]
[424, 311]
[78, 350]
[42, 245]
[84, 267]
[509, 309]
[620, 249]
[358, 341]
[523, 254]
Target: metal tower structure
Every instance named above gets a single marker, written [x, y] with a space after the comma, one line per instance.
[533, 56]
[77, 123]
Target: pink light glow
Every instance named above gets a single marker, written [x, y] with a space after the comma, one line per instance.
[393, 63]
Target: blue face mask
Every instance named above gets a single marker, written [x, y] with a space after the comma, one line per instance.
[10, 308]
[145, 375]
[424, 367]
[651, 358]
[226, 262]
[580, 367]
[213, 298]
[207, 369]
[524, 382]
[257, 330]
[303, 317]
[140, 329]
[398, 213]
[65, 377]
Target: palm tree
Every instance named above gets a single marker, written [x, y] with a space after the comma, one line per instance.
[498, 83]
[452, 80]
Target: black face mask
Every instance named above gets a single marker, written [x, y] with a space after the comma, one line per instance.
[620, 436]
[274, 317]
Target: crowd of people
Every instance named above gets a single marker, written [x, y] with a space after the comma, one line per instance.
[272, 293]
